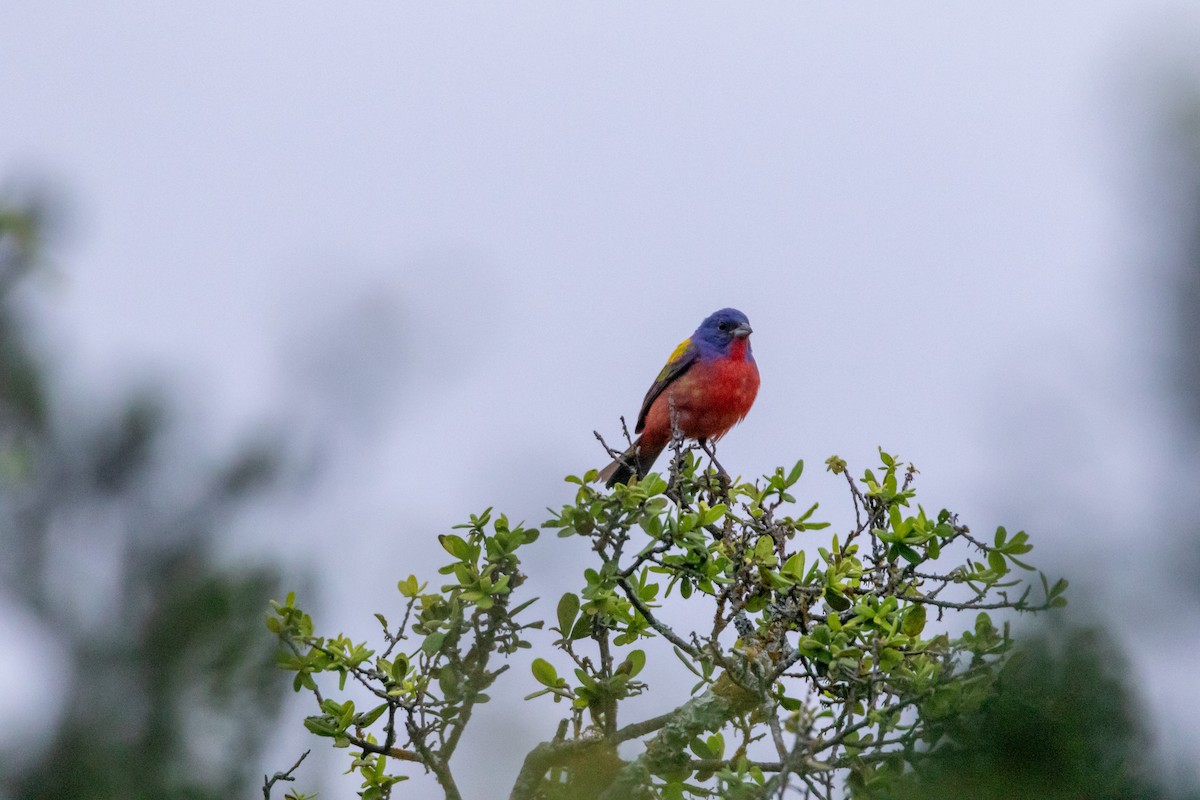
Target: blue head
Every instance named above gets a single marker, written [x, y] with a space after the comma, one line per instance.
[717, 334]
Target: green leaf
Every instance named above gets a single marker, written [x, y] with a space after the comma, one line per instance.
[811, 510]
[764, 549]
[433, 643]
[794, 566]
[836, 600]
[633, 663]
[545, 673]
[450, 683]
[455, 546]
[914, 621]
[568, 609]
[366, 718]
[587, 680]
[582, 628]
[320, 726]
[907, 553]
[716, 742]
[409, 587]
[652, 525]
[713, 514]
[687, 662]
[653, 484]
[701, 749]
[890, 658]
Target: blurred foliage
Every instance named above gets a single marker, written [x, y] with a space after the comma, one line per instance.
[1183, 146]
[108, 531]
[1174, 188]
[1061, 723]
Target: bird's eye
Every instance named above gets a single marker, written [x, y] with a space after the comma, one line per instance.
[726, 326]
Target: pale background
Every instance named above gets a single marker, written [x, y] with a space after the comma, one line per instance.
[440, 245]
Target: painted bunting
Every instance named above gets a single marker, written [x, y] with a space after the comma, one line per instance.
[711, 380]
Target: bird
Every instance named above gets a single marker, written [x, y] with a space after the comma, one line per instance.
[711, 380]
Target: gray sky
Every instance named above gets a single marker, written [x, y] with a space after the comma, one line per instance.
[454, 239]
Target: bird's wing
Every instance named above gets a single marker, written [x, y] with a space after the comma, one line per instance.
[680, 361]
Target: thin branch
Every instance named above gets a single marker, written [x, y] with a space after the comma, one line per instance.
[282, 776]
[665, 630]
[613, 454]
[973, 605]
[391, 752]
[642, 728]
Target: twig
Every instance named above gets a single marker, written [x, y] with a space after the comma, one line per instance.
[282, 776]
[613, 454]
[664, 629]
[391, 752]
[973, 606]
[625, 431]
[711, 449]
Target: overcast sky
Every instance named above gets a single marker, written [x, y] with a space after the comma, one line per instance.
[456, 239]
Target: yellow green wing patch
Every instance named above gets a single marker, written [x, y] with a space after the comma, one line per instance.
[679, 353]
[683, 357]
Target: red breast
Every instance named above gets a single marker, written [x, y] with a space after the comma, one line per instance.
[710, 398]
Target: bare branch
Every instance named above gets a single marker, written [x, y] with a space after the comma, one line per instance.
[282, 776]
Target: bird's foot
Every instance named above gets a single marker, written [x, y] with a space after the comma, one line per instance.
[722, 475]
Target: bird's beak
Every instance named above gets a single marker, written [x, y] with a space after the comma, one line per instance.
[742, 331]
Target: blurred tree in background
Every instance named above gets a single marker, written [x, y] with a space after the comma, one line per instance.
[1176, 192]
[1179, 187]
[108, 534]
[1062, 723]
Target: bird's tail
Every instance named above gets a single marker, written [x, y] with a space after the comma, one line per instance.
[637, 460]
